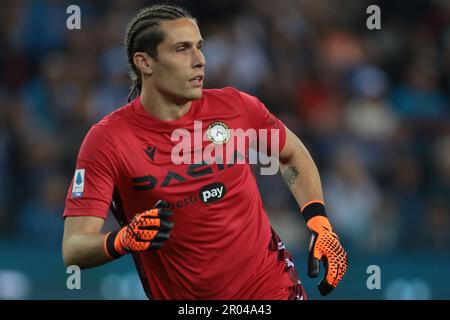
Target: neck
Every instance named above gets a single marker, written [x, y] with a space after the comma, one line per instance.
[163, 107]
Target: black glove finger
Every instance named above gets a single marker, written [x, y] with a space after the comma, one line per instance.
[313, 267]
[313, 263]
[336, 273]
[324, 287]
[165, 213]
[155, 245]
[161, 237]
[166, 225]
[161, 204]
[159, 240]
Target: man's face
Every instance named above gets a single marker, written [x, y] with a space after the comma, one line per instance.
[178, 71]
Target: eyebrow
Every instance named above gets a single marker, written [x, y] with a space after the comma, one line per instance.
[187, 43]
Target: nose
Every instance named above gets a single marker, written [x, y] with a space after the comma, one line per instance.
[199, 59]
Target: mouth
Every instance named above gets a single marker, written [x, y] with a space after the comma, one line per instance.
[197, 81]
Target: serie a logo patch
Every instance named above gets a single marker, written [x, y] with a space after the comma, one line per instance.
[78, 183]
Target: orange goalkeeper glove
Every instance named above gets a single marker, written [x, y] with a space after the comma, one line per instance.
[325, 247]
[146, 231]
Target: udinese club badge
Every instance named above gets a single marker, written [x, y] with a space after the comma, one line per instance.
[218, 132]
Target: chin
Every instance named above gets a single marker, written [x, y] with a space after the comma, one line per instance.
[195, 94]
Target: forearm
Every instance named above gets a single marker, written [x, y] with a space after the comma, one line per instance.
[85, 250]
[300, 174]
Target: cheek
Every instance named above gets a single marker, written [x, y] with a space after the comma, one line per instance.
[170, 78]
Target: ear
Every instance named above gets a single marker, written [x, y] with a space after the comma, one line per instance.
[143, 62]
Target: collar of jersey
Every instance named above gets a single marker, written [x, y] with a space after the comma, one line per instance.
[142, 116]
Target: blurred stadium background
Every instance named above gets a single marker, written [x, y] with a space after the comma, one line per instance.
[372, 106]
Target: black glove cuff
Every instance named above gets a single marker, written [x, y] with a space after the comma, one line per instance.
[313, 209]
[109, 245]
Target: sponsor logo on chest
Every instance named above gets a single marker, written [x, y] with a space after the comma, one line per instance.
[212, 192]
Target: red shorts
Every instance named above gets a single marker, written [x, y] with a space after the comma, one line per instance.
[296, 292]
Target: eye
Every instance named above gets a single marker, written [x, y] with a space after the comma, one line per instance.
[181, 49]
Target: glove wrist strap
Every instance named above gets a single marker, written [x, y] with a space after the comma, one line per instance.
[113, 246]
[312, 209]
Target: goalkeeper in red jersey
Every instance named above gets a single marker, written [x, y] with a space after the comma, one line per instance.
[196, 230]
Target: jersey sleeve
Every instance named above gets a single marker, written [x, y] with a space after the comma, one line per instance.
[91, 188]
[259, 117]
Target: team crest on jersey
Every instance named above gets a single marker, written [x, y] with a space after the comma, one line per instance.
[78, 183]
[218, 132]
